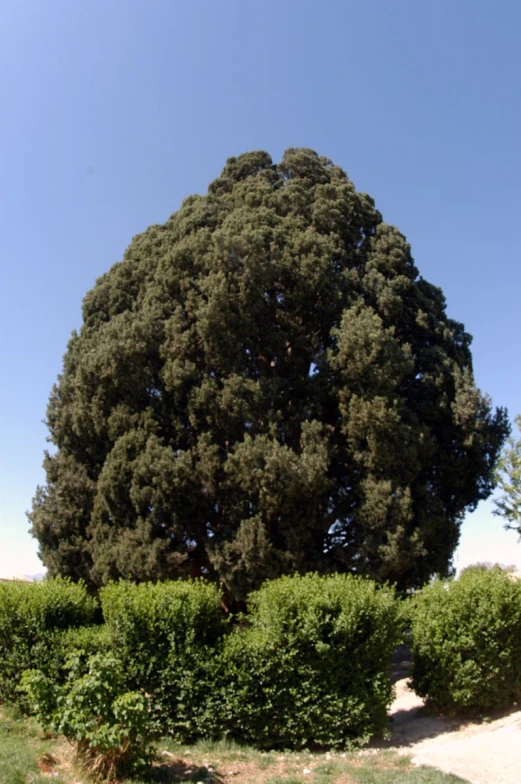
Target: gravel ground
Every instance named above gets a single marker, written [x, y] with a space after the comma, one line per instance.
[482, 753]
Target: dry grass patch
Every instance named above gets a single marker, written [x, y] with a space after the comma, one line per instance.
[224, 763]
[27, 756]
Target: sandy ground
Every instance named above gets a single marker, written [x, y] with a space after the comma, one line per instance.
[481, 753]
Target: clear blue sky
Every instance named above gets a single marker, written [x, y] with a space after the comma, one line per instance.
[113, 112]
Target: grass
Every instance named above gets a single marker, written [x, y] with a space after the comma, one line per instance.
[25, 751]
[20, 749]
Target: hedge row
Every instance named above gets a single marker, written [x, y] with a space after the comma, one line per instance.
[307, 666]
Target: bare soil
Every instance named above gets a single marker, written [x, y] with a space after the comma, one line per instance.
[485, 752]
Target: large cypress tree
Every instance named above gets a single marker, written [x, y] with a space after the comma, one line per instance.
[265, 385]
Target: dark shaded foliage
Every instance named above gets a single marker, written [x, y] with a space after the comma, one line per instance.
[264, 385]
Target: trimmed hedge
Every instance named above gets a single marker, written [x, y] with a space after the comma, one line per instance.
[309, 665]
[312, 667]
[466, 638]
[33, 617]
[166, 636]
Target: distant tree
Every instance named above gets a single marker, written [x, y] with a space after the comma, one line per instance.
[264, 385]
[486, 566]
[509, 480]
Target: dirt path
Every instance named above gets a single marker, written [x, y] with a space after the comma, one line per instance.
[481, 753]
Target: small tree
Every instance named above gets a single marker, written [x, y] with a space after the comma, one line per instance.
[509, 480]
[109, 726]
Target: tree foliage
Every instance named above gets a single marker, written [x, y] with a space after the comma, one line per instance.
[508, 505]
[265, 385]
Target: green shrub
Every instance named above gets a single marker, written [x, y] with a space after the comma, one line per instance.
[110, 726]
[86, 640]
[404, 610]
[312, 666]
[466, 637]
[166, 636]
[32, 618]
[79, 643]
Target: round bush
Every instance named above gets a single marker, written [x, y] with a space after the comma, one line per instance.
[311, 668]
[466, 637]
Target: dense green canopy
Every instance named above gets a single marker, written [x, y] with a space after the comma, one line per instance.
[265, 385]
